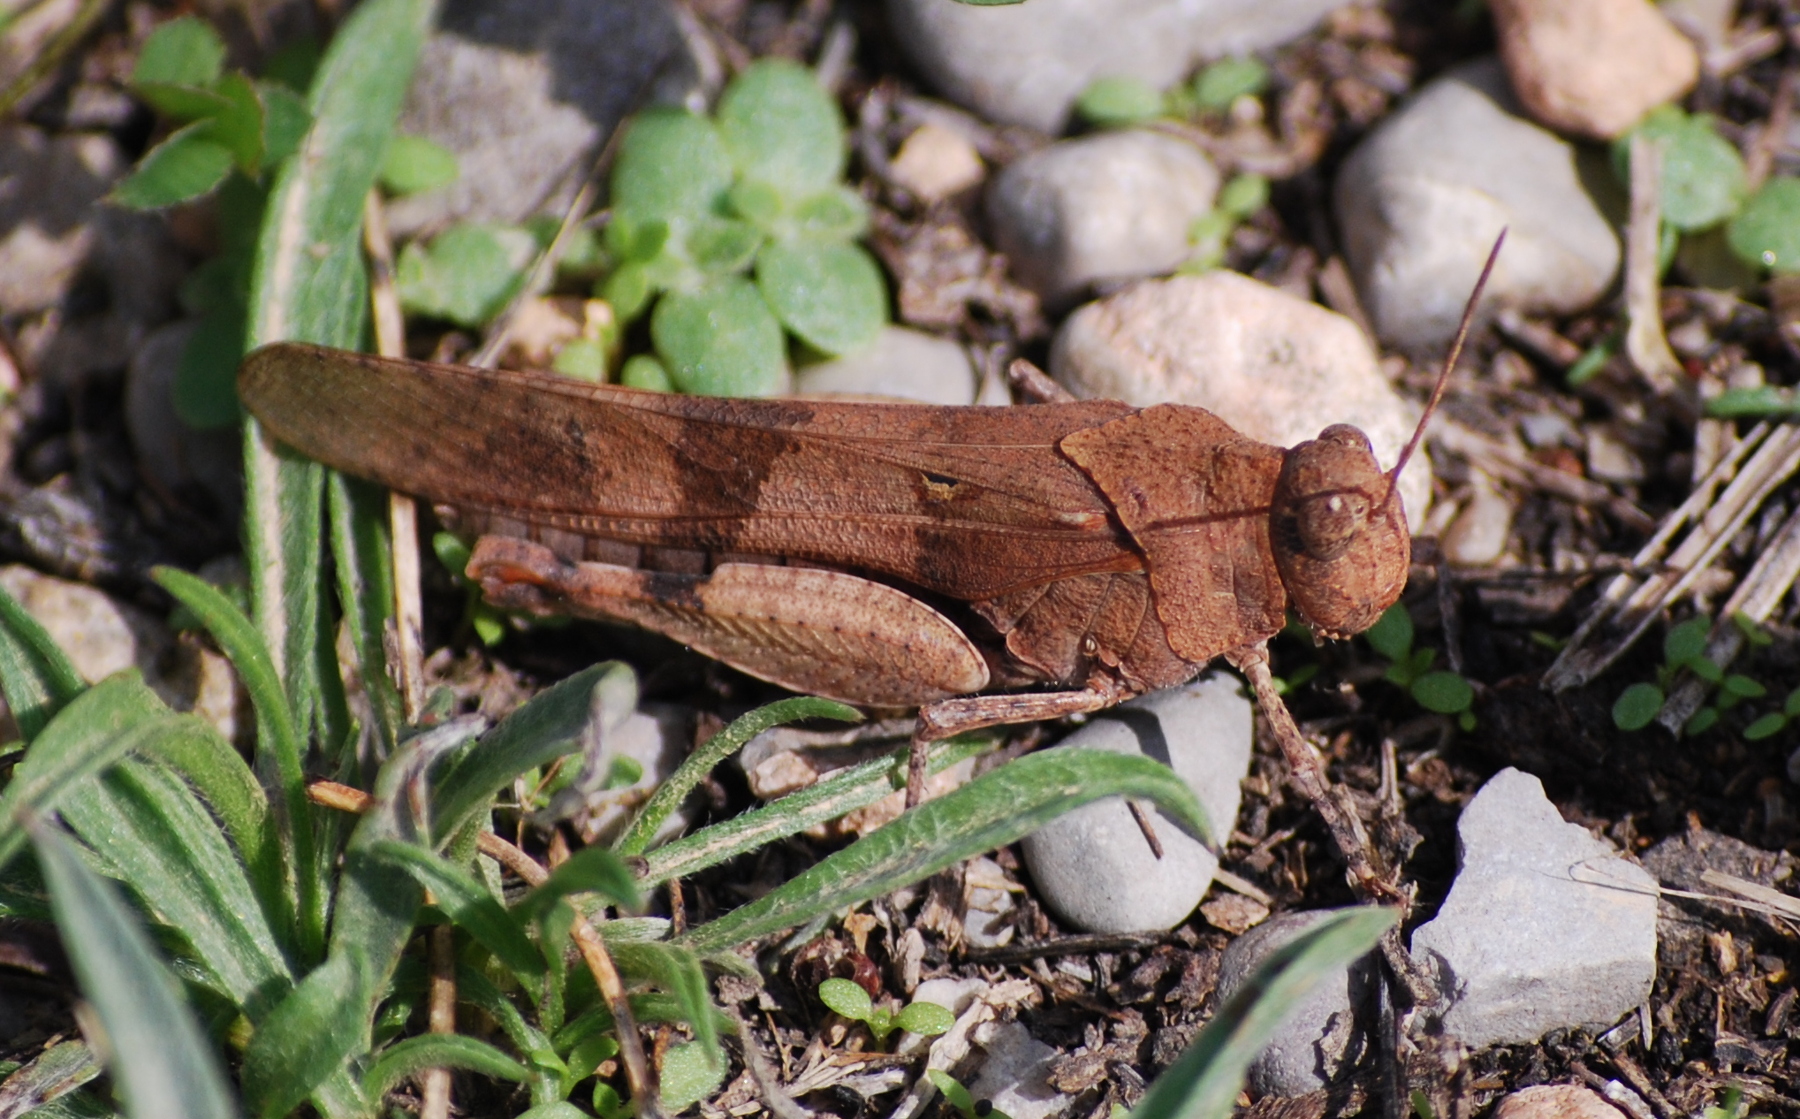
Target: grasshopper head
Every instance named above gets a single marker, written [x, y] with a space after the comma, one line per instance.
[1339, 533]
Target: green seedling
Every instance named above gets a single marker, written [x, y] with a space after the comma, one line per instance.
[1731, 1105]
[960, 1100]
[1684, 649]
[1210, 233]
[927, 1019]
[1121, 102]
[1444, 692]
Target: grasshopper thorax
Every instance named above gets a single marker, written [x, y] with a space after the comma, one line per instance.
[1339, 533]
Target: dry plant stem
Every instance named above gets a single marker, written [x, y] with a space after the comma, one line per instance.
[1645, 342]
[542, 272]
[1035, 385]
[768, 1082]
[434, 1083]
[403, 527]
[1508, 464]
[1143, 822]
[587, 940]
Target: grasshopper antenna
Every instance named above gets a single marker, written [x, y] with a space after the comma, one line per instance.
[1437, 391]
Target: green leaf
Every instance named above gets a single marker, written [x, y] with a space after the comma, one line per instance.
[1743, 687]
[1118, 102]
[991, 811]
[285, 121]
[720, 340]
[591, 869]
[468, 905]
[468, 273]
[241, 126]
[308, 1036]
[1392, 633]
[1766, 727]
[838, 214]
[1706, 670]
[183, 103]
[1766, 232]
[162, 1061]
[1637, 706]
[1702, 173]
[1228, 79]
[757, 203]
[184, 51]
[700, 762]
[583, 359]
[1444, 692]
[830, 295]
[1244, 195]
[676, 970]
[185, 166]
[723, 244]
[1204, 1082]
[417, 1054]
[955, 1094]
[927, 1019]
[1686, 642]
[641, 371]
[1791, 706]
[1704, 720]
[1757, 401]
[1593, 360]
[847, 998]
[1751, 629]
[690, 1073]
[205, 391]
[414, 164]
[35, 675]
[782, 128]
[672, 166]
[362, 559]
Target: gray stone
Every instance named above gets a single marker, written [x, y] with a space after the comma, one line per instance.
[1545, 927]
[524, 92]
[1114, 206]
[1481, 530]
[900, 363]
[1093, 866]
[1422, 198]
[1276, 368]
[176, 455]
[1026, 64]
[1016, 1075]
[1323, 1034]
[657, 737]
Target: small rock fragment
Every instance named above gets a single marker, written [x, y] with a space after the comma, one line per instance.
[936, 162]
[1110, 207]
[1321, 1036]
[1276, 368]
[988, 905]
[1610, 460]
[900, 364]
[1595, 67]
[1016, 1076]
[656, 738]
[1422, 198]
[1545, 927]
[1479, 534]
[1093, 866]
[1555, 1101]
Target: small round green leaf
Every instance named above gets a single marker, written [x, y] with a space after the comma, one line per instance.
[414, 164]
[1244, 195]
[672, 165]
[782, 128]
[183, 167]
[1118, 102]
[184, 51]
[1392, 633]
[628, 290]
[1792, 704]
[641, 371]
[1228, 79]
[1766, 233]
[720, 340]
[1444, 692]
[1702, 173]
[846, 998]
[839, 213]
[1744, 687]
[1704, 720]
[1686, 641]
[583, 359]
[927, 1019]
[1707, 670]
[756, 202]
[689, 1074]
[1766, 727]
[723, 245]
[829, 294]
[285, 121]
[1637, 706]
[467, 273]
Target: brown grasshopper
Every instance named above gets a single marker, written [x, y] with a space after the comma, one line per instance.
[890, 555]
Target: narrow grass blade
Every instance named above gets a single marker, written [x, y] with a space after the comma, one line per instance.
[590, 869]
[693, 770]
[477, 990]
[161, 841]
[46, 1078]
[163, 1063]
[538, 733]
[856, 787]
[1205, 1081]
[991, 811]
[676, 970]
[308, 1036]
[439, 1051]
[362, 557]
[35, 675]
[468, 904]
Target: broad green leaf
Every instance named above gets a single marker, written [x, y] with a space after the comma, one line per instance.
[927, 1019]
[720, 340]
[690, 1073]
[163, 1062]
[1744, 687]
[1766, 233]
[1392, 633]
[695, 767]
[546, 728]
[35, 675]
[467, 274]
[469, 905]
[993, 810]
[161, 841]
[415, 163]
[846, 997]
[183, 167]
[1443, 692]
[1702, 173]
[1228, 79]
[1637, 706]
[308, 1036]
[416, 1054]
[846, 791]
[184, 51]
[240, 127]
[1704, 720]
[1205, 1081]
[591, 869]
[583, 359]
[672, 166]
[184, 103]
[830, 295]
[723, 245]
[782, 128]
[1117, 102]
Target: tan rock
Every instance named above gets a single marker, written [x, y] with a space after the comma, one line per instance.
[1556, 1101]
[1593, 67]
[936, 162]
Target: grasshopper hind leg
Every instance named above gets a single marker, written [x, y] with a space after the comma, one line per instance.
[950, 717]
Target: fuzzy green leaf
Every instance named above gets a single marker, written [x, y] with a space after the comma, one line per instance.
[183, 167]
[846, 997]
[782, 128]
[1118, 102]
[1392, 633]
[414, 164]
[1637, 706]
[467, 274]
[720, 340]
[1766, 232]
[183, 51]
[831, 295]
[1702, 173]
[672, 166]
[416, 1054]
[1444, 692]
